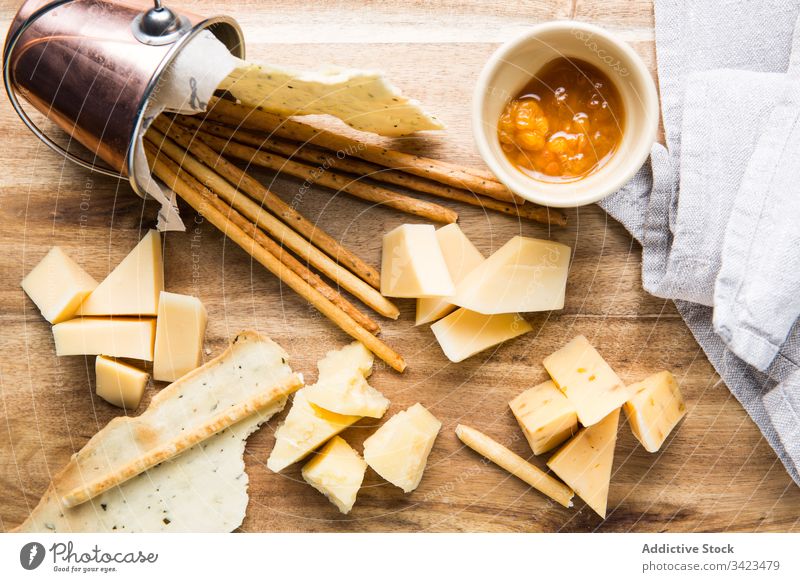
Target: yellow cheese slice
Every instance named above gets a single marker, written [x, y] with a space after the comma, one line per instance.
[342, 386]
[180, 330]
[306, 427]
[525, 274]
[119, 383]
[585, 462]
[464, 333]
[133, 287]
[337, 472]
[593, 388]
[57, 285]
[398, 451]
[120, 337]
[461, 257]
[364, 100]
[412, 263]
[654, 409]
[546, 416]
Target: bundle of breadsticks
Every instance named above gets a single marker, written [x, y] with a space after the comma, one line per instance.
[195, 157]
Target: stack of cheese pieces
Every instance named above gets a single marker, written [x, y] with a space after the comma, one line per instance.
[474, 301]
[127, 315]
[398, 451]
[579, 410]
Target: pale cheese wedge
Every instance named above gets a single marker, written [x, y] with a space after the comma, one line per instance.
[585, 461]
[119, 337]
[119, 383]
[398, 451]
[461, 257]
[655, 407]
[306, 427]
[465, 333]
[342, 386]
[412, 264]
[586, 379]
[337, 472]
[180, 331]
[57, 285]
[525, 274]
[134, 286]
[546, 416]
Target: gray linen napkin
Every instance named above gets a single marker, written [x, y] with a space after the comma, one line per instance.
[681, 205]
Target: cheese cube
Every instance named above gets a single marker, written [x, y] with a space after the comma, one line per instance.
[461, 257]
[464, 333]
[546, 416]
[180, 330]
[342, 386]
[398, 451]
[585, 461]
[120, 337]
[118, 383]
[57, 285]
[654, 409]
[593, 388]
[525, 274]
[306, 427]
[412, 264]
[337, 472]
[133, 287]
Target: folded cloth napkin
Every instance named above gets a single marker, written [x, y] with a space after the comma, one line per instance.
[714, 211]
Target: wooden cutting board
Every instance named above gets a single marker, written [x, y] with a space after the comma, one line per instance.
[715, 473]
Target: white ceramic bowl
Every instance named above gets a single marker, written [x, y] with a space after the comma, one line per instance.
[515, 63]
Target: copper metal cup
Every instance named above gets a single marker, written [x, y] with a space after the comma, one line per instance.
[89, 66]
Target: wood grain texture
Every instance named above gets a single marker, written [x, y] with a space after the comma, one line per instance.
[715, 473]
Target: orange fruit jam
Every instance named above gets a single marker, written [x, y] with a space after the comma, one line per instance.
[564, 124]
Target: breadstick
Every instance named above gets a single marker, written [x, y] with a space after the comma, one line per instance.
[330, 179]
[240, 115]
[515, 465]
[304, 249]
[374, 171]
[157, 141]
[263, 256]
[253, 188]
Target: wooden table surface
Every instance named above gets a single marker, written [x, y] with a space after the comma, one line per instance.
[716, 472]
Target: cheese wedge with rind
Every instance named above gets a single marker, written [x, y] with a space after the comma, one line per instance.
[305, 428]
[461, 257]
[654, 409]
[585, 462]
[180, 331]
[57, 285]
[119, 383]
[337, 472]
[412, 264]
[398, 451]
[134, 286]
[525, 274]
[586, 379]
[546, 416]
[251, 375]
[119, 337]
[342, 386]
[464, 333]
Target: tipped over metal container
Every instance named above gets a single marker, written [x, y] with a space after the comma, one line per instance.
[91, 66]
